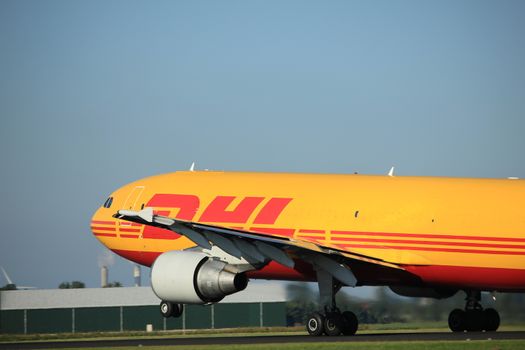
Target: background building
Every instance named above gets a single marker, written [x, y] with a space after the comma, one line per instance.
[126, 309]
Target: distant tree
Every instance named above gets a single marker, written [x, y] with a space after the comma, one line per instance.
[113, 284]
[8, 287]
[387, 307]
[72, 285]
[302, 302]
[77, 284]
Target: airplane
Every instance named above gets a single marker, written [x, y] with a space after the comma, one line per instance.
[206, 233]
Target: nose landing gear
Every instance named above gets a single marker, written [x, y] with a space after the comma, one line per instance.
[169, 309]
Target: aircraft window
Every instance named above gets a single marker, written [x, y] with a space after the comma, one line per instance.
[108, 202]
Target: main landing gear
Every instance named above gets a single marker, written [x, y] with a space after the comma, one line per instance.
[474, 317]
[332, 321]
[169, 309]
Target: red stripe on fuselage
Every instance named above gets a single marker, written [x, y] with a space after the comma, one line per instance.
[484, 278]
[429, 249]
[418, 235]
[311, 231]
[288, 232]
[105, 234]
[129, 229]
[98, 222]
[467, 244]
[98, 228]
[143, 258]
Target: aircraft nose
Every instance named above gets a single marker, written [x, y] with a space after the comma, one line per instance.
[102, 223]
[96, 218]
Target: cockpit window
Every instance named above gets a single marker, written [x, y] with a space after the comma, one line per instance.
[108, 202]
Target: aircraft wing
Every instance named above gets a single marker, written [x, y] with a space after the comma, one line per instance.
[257, 247]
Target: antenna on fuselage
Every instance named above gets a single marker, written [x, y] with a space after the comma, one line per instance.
[391, 172]
[192, 167]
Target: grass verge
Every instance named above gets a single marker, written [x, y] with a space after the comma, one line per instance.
[418, 345]
[240, 332]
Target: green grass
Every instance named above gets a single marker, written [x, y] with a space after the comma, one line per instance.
[430, 345]
[421, 327]
[240, 332]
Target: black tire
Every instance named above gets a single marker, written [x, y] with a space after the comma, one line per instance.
[492, 320]
[315, 324]
[457, 320]
[177, 310]
[333, 324]
[475, 320]
[350, 323]
[166, 309]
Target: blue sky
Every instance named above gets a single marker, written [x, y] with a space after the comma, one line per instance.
[96, 94]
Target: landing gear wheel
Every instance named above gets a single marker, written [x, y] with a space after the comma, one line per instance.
[491, 320]
[315, 323]
[350, 323]
[333, 324]
[475, 320]
[177, 310]
[457, 320]
[166, 308]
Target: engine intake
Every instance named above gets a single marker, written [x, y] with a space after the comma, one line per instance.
[194, 278]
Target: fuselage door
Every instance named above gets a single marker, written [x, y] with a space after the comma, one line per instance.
[132, 202]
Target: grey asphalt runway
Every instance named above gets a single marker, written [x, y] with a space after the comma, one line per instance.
[206, 340]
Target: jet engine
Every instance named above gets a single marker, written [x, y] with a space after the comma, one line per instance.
[194, 278]
[424, 292]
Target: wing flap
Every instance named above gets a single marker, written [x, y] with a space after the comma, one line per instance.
[257, 246]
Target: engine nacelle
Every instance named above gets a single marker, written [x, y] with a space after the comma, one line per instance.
[193, 278]
[424, 292]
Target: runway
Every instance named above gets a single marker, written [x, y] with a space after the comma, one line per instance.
[206, 340]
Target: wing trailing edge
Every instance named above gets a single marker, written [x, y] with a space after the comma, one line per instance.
[258, 248]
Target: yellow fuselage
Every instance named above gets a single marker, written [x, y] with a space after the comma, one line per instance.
[439, 229]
